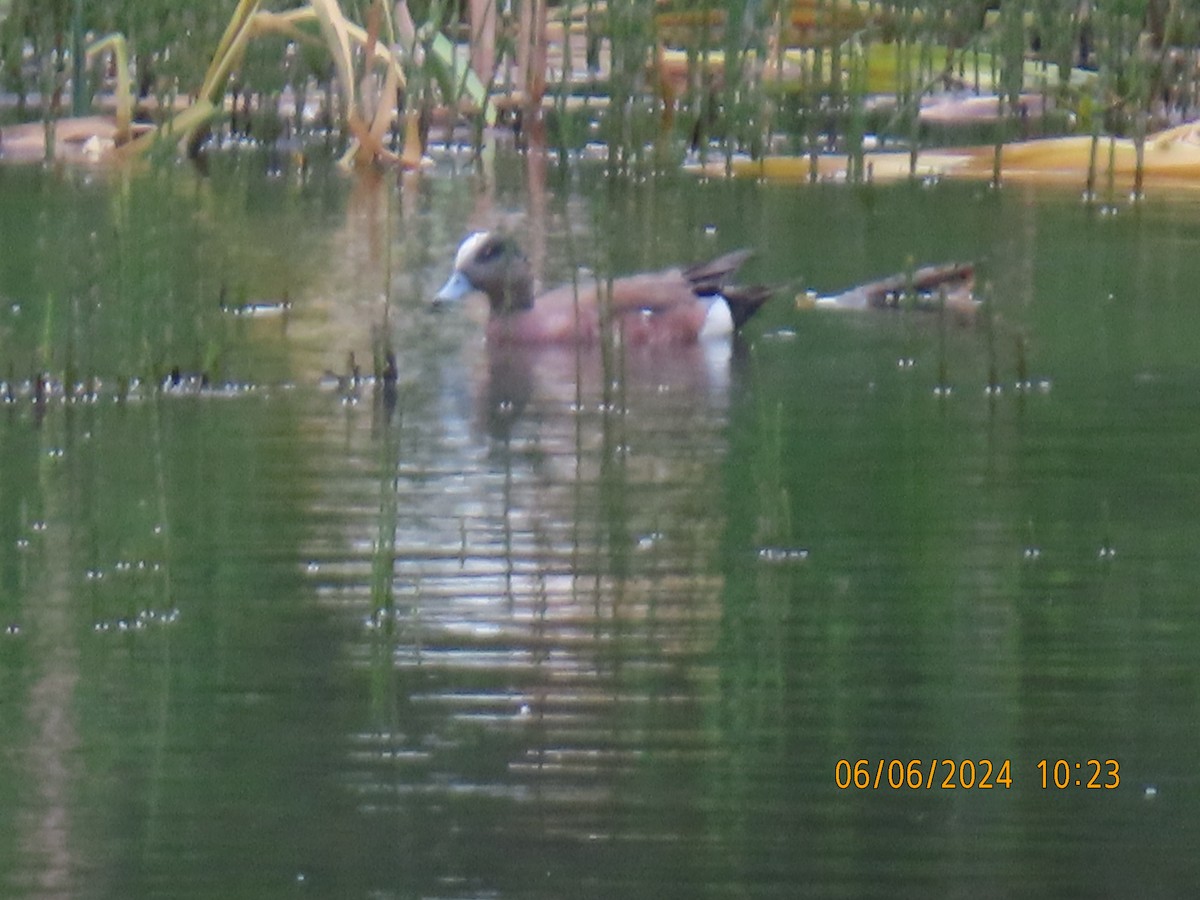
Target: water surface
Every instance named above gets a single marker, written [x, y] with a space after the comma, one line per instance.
[551, 623]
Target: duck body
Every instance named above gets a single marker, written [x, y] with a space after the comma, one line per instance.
[950, 284]
[672, 306]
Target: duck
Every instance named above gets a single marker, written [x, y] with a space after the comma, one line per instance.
[948, 286]
[679, 305]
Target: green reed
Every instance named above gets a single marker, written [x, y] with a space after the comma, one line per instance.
[1143, 54]
[565, 124]
[774, 522]
[809, 119]
[1021, 346]
[856, 93]
[631, 38]
[942, 387]
[1011, 54]
[383, 555]
[990, 339]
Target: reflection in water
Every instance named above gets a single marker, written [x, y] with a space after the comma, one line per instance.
[45, 821]
[514, 627]
[555, 584]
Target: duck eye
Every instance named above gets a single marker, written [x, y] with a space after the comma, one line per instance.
[490, 251]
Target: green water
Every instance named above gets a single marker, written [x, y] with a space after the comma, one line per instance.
[523, 629]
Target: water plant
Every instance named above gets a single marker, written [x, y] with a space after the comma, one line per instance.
[730, 76]
[382, 71]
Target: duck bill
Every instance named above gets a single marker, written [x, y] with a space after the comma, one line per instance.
[456, 287]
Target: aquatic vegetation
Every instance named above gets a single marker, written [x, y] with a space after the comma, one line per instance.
[1170, 157]
[381, 43]
[654, 82]
[395, 55]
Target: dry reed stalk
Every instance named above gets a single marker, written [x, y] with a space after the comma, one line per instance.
[531, 57]
[116, 43]
[481, 19]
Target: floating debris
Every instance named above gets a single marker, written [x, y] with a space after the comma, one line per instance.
[649, 541]
[257, 309]
[140, 621]
[779, 555]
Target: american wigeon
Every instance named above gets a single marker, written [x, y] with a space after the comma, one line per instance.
[927, 288]
[674, 306]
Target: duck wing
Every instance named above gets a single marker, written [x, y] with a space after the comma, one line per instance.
[928, 285]
[709, 278]
[684, 288]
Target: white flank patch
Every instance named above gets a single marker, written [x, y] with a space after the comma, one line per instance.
[719, 321]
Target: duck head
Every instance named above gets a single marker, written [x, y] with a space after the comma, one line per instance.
[494, 265]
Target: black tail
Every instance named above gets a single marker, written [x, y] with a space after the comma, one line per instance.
[709, 278]
[745, 300]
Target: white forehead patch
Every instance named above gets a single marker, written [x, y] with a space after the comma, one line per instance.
[469, 246]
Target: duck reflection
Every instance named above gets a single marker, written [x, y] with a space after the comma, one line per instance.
[553, 384]
[609, 458]
[551, 538]
[555, 571]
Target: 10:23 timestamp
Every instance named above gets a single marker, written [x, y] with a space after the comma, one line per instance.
[1081, 773]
